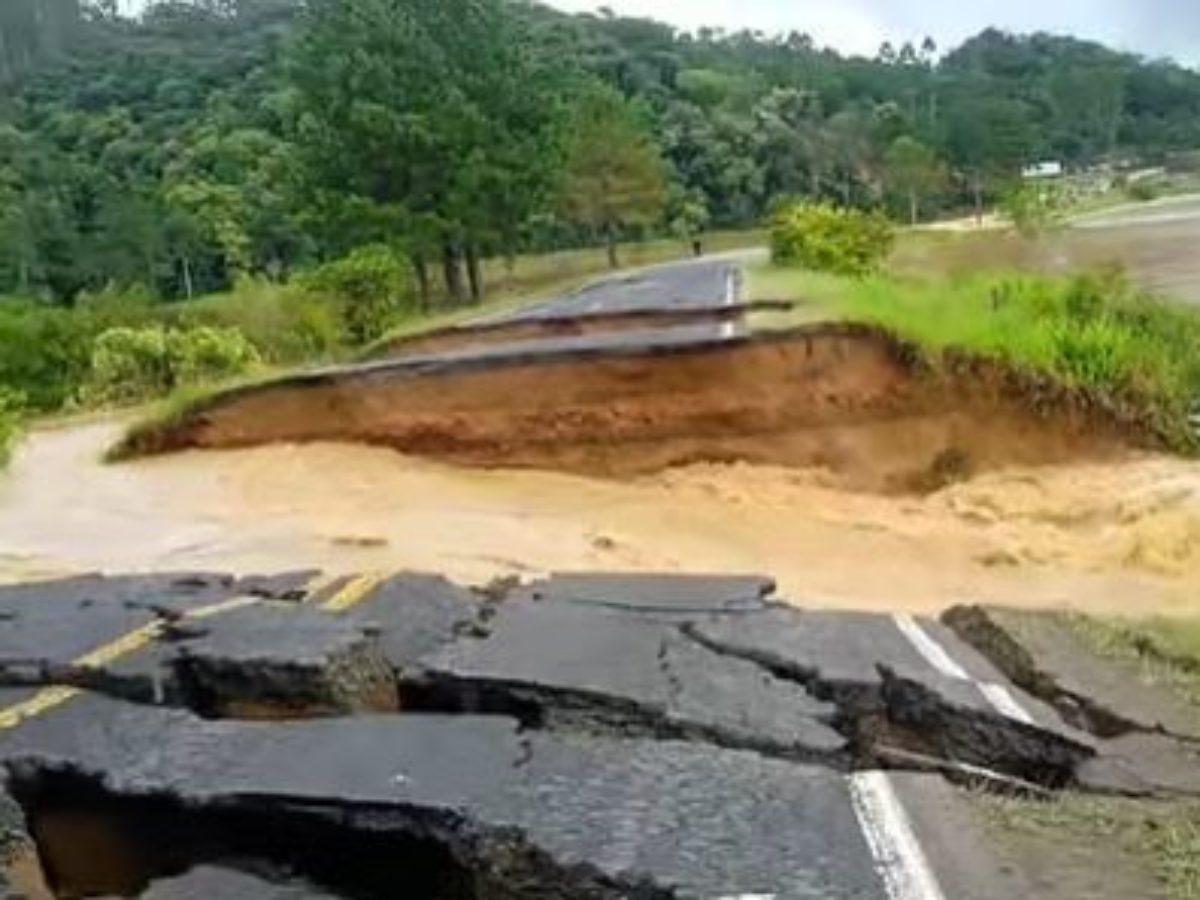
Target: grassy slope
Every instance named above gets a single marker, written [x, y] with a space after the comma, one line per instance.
[1091, 332]
[1166, 651]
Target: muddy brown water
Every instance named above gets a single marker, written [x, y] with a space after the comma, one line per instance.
[1121, 535]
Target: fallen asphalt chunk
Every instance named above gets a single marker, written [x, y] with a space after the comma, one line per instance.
[890, 697]
[600, 670]
[437, 801]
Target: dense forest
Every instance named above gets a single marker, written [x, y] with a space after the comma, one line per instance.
[210, 139]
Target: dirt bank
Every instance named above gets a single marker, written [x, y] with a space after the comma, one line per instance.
[845, 399]
[1119, 536]
[530, 329]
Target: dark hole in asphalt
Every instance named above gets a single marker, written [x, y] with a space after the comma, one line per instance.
[94, 843]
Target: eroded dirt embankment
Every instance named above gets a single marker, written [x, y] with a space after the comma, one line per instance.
[847, 399]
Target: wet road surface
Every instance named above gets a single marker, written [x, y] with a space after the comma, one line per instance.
[676, 286]
[579, 736]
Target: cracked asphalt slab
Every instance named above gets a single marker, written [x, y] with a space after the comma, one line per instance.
[580, 736]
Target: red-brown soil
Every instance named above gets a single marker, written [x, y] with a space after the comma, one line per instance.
[847, 399]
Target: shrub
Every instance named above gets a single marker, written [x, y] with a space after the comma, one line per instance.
[1142, 191]
[131, 364]
[825, 238]
[374, 287]
[1034, 208]
[12, 410]
[45, 353]
[285, 323]
[202, 355]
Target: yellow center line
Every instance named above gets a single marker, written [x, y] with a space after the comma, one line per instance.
[49, 698]
[354, 593]
[323, 581]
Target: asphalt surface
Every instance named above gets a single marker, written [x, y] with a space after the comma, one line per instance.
[580, 736]
[687, 285]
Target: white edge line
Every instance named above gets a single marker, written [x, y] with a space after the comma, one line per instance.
[899, 859]
[1002, 699]
[1005, 702]
[931, 650]
[728, 330]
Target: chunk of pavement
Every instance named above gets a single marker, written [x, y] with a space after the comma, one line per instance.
[601, 670]
[58, 621]
[280, 661]
[214, 883]
[533, 814]
[413, 615]
[890, 697]
[669, 594]
[1100, 695]
[1143, 764]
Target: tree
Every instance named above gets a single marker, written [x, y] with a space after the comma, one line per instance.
[914, 171]
[1034, 208]
[614, 175]
[440, 109]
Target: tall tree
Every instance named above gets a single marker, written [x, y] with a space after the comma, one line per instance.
[441, 109]
[615, 175]
[914, 171]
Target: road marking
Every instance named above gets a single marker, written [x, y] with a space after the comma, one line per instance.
[728, 330]
[1005, 703]
[998, 695]
[933, 652]
[901, 863]
[52, 697]
[355, 591]
[318, 584]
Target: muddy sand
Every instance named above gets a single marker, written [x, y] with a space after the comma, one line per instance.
[1121, 535]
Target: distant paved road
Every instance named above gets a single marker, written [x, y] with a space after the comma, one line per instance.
[677, 286]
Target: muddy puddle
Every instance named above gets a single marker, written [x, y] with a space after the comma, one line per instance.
[1119, 536]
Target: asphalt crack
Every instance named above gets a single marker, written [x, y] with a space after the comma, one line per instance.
[901, 723]
[977, 628]
[359, 851]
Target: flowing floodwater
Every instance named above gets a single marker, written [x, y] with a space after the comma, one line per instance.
[1116, 536]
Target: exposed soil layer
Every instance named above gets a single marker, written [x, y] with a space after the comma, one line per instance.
[539, 328]
[845, 398]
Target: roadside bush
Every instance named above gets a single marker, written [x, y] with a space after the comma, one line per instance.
[1142, 191]
[373, 287]
[12, 411]
[285, 323]
[130, 364]
[202, 355]
[824, 238]
[45, 353]
[1034, 208]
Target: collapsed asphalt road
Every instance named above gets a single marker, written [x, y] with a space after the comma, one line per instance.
[582, 736]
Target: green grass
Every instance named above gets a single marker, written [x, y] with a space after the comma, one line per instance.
[1160, 838]
[1091, 332]
[1165, 651]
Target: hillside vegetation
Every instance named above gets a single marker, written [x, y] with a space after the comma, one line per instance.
[315, 174]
